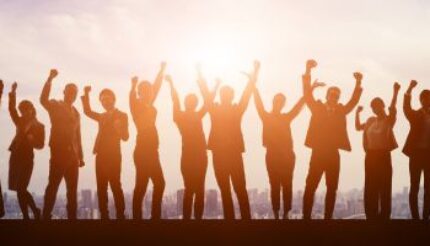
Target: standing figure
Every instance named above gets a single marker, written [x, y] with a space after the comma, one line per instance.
[2, 212]
[113, 127]
[194, 158]
[227, 145]
[30, 135]
[146, 157]
[327, 134]
[65, 144]
[417, 148]
[378, 142]
[280, 156]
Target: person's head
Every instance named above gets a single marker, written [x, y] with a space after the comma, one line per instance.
[107, 99]
[378, 106]
[425, 98]
[145, 91]
[27, 110]
[70, 93]
[333, 95]
[226, 94]
[278, 102]
[191, 102]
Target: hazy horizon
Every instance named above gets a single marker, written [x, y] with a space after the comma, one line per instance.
[105, 43]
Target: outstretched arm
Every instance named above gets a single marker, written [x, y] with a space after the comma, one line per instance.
[12, 104]
[307, 87]
[247, 93]
[44, 97]
[158, 81]
[356, 95]
[87, 106]
[358, 125]
[175, 98]
[392, 116]
[407, 108]
[298, 107]
[1, 89]
[208, 96]
[259, 104]
[133, 96]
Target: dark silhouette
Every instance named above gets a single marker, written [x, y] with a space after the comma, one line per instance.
[146, 157]
[417, 148]
[194, 158]
[378, 142]
[227, 146]
[2, 212]
[65, 144]
[280, 156]
[113, 127]
[30, 135]
[327, 134]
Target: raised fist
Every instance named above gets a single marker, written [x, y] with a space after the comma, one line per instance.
[14, 87]
[311, 64]
[1, 85]
[396, 86]
[87, 89]
[358, 76]
[53, 73]
[134, 80]
[359, 109]
[317, 84]
[163, 65]
[413, 84]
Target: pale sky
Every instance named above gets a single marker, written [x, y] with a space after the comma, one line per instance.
[106, 42]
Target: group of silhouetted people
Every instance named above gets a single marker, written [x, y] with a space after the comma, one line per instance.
[326, 136]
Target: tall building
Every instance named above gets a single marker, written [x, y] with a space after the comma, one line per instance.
[179, 202]
[211, 204]
[86, 204]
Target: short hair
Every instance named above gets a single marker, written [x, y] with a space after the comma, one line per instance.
[375, 101]
[424, 94]
[26, 105]
[334, 88]
[107, 92]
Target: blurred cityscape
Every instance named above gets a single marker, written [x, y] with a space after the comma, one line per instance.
[349, 205]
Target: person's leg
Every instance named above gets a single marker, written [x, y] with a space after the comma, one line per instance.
[102, 186]
[71, 177]
[199, 190]
[22, 201]
[332, 181]
[370, 193]
[2, 212]
[32, 205]
[312, 181]
[386, 176]
[415, 178]
[426, 206]
[141, 184]
[56, 174]
[222, 177]
[239, 185]
[115, 184]
[287, 184]
[275, 183]
[157, 178]
[187, 175]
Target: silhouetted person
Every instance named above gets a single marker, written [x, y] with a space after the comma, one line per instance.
[113, 127]
[194, 160]
[280, 156]
[30, 135]
[65, 145]
[227, 146]
[417, 148]
[378, 142]
[146, 158]
[2, 212]
[327, 134]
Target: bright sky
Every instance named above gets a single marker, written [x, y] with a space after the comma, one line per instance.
[106, 42]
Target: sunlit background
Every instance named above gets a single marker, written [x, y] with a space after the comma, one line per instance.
[106, 42]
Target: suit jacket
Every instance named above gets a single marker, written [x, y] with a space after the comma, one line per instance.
[416, 122]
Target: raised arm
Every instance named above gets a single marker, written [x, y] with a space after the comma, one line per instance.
[175, 98]
[208, 96]
[12, 104]
[407, 108]
[392, 116]
[87, 106]
[307, 87]
[44, 97]
[249, 89]
[298, 107]
[358, 125]
[259, 104]
[356, 95]
[158, 81]
[133, 96]
[1, 89]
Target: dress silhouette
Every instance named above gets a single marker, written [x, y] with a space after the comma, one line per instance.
[113, 127]
[378, 142]
[327, 134]
[146, 157]
[66, 147]
[417, 148]
[30, 135]
[227, 145]
[194, 158]
[2, 211]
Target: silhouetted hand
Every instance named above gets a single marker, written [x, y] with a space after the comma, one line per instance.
[396, 86]
[311, 64]
[412, 85]
[359, 109]
[81, 163]
[358, 76]
[317, 84]
[1, 86]
[87, 89]
[14, 87]
[134, 81]
[163, 66]
[53, 73]
[169, 80]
